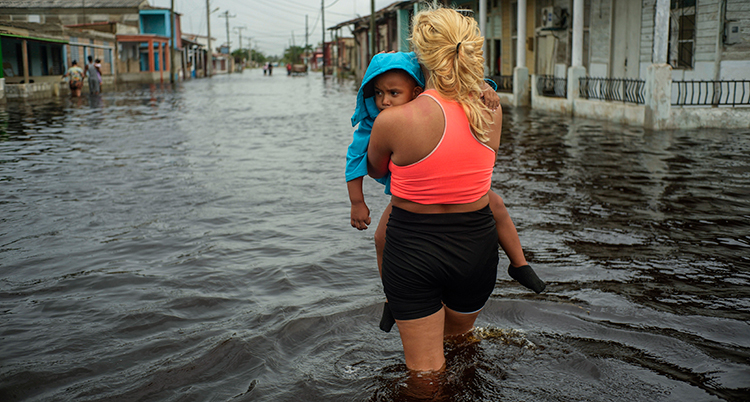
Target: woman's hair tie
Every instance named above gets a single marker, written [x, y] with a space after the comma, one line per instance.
[458, 46]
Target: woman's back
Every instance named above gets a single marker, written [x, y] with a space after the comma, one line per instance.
[457, 171]
[411, 132]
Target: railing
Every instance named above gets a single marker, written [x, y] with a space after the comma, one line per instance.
[504, 82]
[549, 85]
[711, 93]
[613, 89]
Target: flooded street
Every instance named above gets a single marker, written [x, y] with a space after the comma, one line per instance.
[192, 243]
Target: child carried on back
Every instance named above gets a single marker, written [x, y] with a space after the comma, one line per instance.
[393, 79]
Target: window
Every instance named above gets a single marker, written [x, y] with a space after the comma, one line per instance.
[107, 54]
[681, 48]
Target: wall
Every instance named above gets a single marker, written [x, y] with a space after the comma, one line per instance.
[550, 104]
[600, 38]
[80, 53]
[735, 57]
[507, 45]
[707, 26]
[647, 35]
[155, 23]
[67, 16]
[142, 77]
[531, 23]
[10, 61]
[614, 112]
[45, 59]
[695, 117]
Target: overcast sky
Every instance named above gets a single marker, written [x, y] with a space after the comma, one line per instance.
[269, 23]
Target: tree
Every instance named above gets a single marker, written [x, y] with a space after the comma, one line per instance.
[257, 56]
[241, 54]
[294, 54]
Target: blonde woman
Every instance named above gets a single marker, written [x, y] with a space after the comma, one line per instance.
[440, 259]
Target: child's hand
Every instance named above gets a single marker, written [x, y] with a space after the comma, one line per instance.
[360, 215]
[490, 98]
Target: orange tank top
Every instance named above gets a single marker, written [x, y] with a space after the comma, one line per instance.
[457, 171]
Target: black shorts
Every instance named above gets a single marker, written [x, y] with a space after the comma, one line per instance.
[435, 259]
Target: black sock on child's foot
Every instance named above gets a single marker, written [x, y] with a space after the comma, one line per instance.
[387, 321]
[526, 276]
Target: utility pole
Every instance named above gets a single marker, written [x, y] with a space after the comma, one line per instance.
[372, 28]
[229, 47]
[210, 56]
[306, 34]
[323, 23]
[239, 33]
[227, 17]
[171, 44]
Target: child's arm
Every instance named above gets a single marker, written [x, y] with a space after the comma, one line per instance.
[360, 213]
[490, 97]
[356, 169]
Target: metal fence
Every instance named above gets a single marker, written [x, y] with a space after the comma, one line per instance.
[504, 82]
[549, 85]
[711, 93]
[613, 89]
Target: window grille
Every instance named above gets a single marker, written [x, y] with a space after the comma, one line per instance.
[681, 48]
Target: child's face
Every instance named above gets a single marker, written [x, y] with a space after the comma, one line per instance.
[394, 88]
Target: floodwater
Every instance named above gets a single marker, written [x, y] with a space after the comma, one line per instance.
[193, 244]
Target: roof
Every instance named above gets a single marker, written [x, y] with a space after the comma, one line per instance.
[49, 4]
[378, 14]
[50, 30]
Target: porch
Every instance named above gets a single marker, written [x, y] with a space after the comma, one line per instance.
[144, 58]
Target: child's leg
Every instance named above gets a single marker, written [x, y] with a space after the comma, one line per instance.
[506, 231]
[507, 235]
[387, 320]
[380, 237]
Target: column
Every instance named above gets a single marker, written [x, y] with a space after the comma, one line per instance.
[661, 32]
[577, 33]
[521, 26]
[2, 75]
[483, 30]
[161, 61]
[521, 95]
[25, 55]
[659, 73]
[168, 61]
[151, 56]
[576, 70]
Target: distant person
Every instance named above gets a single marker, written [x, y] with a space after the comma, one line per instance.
[288, 68]
[75, 79]
[270, 68]
[265, 68]
[94, 76]
[98, 65]
[394, 79]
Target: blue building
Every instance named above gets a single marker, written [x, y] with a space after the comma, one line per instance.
[157, 22]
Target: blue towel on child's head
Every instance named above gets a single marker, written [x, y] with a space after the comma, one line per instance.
[366, 111]
[378, 65]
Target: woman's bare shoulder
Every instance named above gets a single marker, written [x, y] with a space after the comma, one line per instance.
[413, 113]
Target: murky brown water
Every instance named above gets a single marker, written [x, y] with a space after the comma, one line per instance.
[194, 244]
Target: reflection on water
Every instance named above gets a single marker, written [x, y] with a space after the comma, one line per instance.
[192, 243]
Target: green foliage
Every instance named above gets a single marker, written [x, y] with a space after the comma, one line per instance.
[241, 54]
[257, 56]
[294, 54]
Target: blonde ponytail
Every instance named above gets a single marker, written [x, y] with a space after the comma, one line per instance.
[449, 45]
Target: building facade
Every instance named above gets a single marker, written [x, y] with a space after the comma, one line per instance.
[657, 63]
